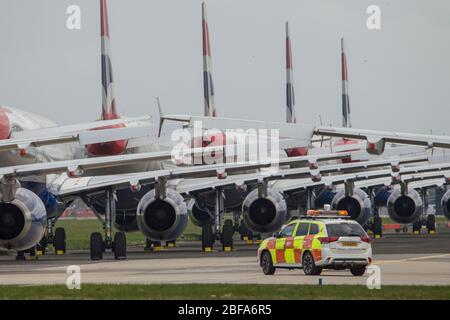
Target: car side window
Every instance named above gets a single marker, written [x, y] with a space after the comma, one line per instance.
[302, 229]
[287, 231]
[314, 229]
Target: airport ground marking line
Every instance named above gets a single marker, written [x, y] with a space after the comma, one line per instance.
[411, 259]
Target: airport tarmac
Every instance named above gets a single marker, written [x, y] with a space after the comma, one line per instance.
[405, 269]
[403, 259]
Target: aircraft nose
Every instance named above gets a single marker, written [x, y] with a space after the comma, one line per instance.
[5, 128]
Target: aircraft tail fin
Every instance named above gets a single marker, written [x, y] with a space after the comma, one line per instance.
[108, 98]
[345, 97]
[290, 97]
[208, 86]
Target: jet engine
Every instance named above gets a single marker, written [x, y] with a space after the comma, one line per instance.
[446, 204]
[404, 207]
[356, 204]
[22, 221]
[162, 218]
[381, 197]
[198, 214]
[264, 214]
[324, 197]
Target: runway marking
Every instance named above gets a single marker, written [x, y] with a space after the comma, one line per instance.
[412, 259]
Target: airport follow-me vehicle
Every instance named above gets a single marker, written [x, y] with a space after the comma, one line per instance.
[323, 239]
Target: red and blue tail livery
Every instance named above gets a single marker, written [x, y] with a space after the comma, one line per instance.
[208, 86]
[345, 98]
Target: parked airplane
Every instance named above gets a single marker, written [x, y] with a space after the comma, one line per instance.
[117, 206]
[29, 138]
[161, 211]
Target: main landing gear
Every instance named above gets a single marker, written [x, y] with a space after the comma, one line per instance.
[118, 244]
[57, 239]
[426, 220]
[29, 254]
[429, 222]
[212, 232]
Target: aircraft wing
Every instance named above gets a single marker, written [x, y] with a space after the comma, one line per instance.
[417, 177]
[375, 139]
[219, 175]
[78, 166]
[371, 178]
[82, 133]
[427, 183]
[294, 135]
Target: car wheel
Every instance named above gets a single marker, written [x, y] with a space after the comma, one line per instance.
[358, 271]
[309, 266]
[266, 263]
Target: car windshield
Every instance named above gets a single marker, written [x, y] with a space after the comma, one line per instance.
[345, 230]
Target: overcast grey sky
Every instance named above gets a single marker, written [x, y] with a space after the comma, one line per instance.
[399, 77]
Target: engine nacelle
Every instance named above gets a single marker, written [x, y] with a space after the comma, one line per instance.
[357, 205]
[323, 198]
[22, 221]
[199, 215]
[162, 219]
[264, 214]
[381, 197]
[446, 204]
[404, 208]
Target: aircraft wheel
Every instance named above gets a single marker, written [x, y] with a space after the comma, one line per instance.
[243, 230]
[20, 256]
[227, 235]
[377, 227]
[431, 223]
[207, 237]
[120, 246]
[42, 245]
[96, 246]
[249, 236]
[32, 252]
[148, 245]
[59, 241]
[417, 225]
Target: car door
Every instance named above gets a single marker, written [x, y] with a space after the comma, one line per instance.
[286, 233]
[311, 243]
[300, 234]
